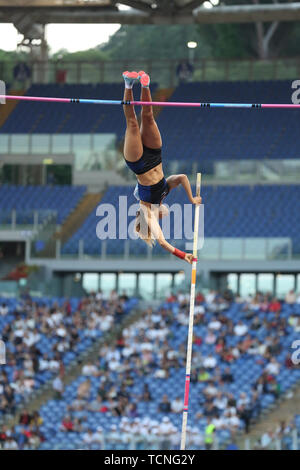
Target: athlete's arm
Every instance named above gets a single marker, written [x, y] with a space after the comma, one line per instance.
[176, 180]
[159, 236]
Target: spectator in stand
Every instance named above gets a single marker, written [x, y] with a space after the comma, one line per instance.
[10, 444]
[210, 338]
[184, 71]
[25, 418]
[177, 405]
[273, 367]
[98, 437]
[290, 297]
[288, 361]
[22, 74]
[294, 322]
[209, 410]
[228, 294]
[172, 298]
[97, 405]
[209, 362]
[90, 369]
[273, 387]
[220, 401]
[243, 400]
[166, 430]
[3, 310]
[36, 419]
[146, 396]
[227, 376]
[84, 389]
[164, 406]
[58, 387]
[232, 421]
[210, 391]
[67, 424]
[214, 324]
[209, 434]
[275, 348]
[203, 375]
[246, 344]
[131, 410]
[199, 298]
[210, 299]
[88, 437]
[274, 306]
[220, 345]
[240, 329]
[266, 439]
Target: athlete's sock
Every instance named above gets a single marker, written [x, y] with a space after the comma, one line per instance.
[144, 79]
[130, 78]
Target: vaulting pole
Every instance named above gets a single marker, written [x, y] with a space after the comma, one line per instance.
[191, 319]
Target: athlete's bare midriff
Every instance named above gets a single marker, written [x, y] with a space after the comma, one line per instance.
[153, 176]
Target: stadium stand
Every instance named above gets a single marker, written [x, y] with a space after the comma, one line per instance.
[133, 392]
[251, 211]
[241, 350]
[212, 134]
[226, 134]
[43, 336]
[27, 199]
[283, 437]
[54, 118]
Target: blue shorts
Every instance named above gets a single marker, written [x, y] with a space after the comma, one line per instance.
[154, 193]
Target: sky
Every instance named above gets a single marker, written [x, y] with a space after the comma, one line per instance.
[73, 37]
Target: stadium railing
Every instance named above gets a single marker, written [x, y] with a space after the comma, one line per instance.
[289, 441]
[166, 70]
[36, 220]
[261, 248]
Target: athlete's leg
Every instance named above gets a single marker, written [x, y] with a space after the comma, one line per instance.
[149, 130]
[133, 146]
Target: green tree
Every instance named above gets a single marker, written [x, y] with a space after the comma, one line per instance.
[154, 42]
[93, 54]
[228, 41]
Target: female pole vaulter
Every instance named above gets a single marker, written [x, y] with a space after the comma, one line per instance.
[143, 155]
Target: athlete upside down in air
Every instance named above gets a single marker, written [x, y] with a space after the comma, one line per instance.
[142, 152]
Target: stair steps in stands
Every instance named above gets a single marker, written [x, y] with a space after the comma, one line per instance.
[78, 216]
[7, 108]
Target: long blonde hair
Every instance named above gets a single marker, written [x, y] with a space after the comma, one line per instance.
[142, 226]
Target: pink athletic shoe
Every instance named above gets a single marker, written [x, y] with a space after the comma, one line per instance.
[144, 79]
[130, 78]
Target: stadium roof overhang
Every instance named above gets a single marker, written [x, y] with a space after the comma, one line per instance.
[142, 12]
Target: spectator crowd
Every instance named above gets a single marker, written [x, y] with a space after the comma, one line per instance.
[129, 395]
[42, 337]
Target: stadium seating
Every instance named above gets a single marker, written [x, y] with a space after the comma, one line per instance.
[52, 118]
[246, 370]
[230, 211]
[208, 135]
[22, 315]
[26, 199]
[191, 135]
